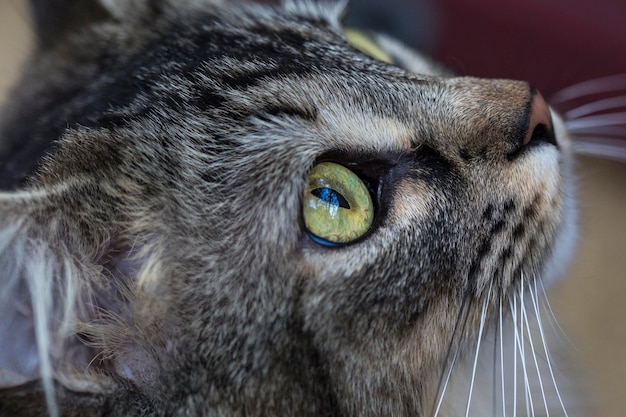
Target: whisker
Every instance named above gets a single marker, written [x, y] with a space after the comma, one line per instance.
[500, 339]
[520, 343]
[612, 119]
[596, 106]
[465, 309]
[494, 376]
[610, 83]
[535, 302]
[605, 131]
[483, 316]
[513, 306]
[534, 356]
[601, 146]
[554, 322]
[528, 393]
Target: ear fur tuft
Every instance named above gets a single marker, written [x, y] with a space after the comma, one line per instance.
[37, 298]
[329, 10]
[63, 315]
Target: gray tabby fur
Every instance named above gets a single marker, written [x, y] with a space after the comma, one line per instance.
[153, 256]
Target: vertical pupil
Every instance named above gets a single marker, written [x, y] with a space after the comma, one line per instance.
[331, 196]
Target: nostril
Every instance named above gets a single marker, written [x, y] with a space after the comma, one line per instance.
[538, 129]
[540, 123]
[541, 133]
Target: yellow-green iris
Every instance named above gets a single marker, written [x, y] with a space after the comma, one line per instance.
[337, 206]
[365, 44]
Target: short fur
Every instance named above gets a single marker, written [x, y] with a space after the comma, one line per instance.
[153, 253]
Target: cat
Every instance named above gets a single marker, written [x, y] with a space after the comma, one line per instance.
[223, 209]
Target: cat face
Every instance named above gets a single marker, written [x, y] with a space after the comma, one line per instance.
[185, 268]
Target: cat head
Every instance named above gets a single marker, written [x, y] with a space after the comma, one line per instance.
[239, 210]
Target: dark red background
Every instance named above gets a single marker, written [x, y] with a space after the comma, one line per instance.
[552, 44]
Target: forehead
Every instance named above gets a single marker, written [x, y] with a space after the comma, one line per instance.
[298, 64]
[353, 112]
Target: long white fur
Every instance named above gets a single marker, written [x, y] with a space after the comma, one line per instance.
[49, 277]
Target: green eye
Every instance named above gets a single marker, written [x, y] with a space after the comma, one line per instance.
[337, 206]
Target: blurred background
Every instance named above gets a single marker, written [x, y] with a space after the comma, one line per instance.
[555, 45]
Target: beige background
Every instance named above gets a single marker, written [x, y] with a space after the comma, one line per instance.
[590, 303]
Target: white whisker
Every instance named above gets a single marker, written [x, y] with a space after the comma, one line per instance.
[554, 322]
[514, 316]
[601, 146]
[596, 106]
[501, 359]
[534, 356]
[604, 131]
[494, 376]
[445, 385]
[483, 316]
[535, 302]
[610, 83]
[612, 119]
[464, 310]
[520, 342]
[528, 393]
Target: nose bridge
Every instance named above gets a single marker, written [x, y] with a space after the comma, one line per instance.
[487, 95]
[490, 115]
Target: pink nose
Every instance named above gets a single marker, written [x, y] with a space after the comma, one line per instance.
[540, 126]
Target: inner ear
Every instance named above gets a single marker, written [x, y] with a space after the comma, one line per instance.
[64, 310]
[39, 290]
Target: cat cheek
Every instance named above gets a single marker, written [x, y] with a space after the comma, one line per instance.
[412, 203]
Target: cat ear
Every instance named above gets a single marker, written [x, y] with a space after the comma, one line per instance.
[330, 11]
[65, 309]
[56, 19]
